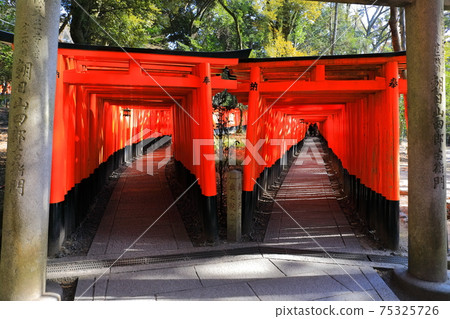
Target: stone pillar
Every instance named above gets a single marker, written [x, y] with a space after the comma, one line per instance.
[427, 231]
[234, 205]
[28, 165]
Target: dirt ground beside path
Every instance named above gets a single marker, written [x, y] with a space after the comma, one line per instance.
[404, 196]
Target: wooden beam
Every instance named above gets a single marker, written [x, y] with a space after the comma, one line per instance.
[138, 78]
[95, 55]
[310, 62]
[350, 86]
[112, 78]
[309, 107]
[395, 3]
[218, 83]
[136, 91]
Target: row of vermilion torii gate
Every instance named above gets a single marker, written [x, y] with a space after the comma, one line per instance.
[111, 104]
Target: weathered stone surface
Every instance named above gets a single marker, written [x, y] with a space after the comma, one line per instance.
[28, 166]
[427, 232]
[234, 205]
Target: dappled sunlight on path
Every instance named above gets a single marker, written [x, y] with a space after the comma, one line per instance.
[307, 214]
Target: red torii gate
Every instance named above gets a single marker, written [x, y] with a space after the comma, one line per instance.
[110, 101]
[355, 100]
[27, 232]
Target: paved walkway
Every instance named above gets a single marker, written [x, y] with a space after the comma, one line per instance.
[306, 213]
[140, 217]
[309, 209]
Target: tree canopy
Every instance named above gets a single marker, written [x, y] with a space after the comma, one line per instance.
[7, 15]
[272, 28]
[110, 22]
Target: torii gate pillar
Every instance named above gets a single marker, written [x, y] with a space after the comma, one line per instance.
[28, 166]
[427, 230]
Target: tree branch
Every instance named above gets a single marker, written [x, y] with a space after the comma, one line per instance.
[199, 14]
[64, 23]
[236, 23]
[394, 29]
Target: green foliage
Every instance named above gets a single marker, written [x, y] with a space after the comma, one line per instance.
[7, 15]
[374, 29]
[209, 25]
[111, 22]
[179, 22]
[241, 107]
[7, 18]
[224, 100]
[359, 30]
[270, 27]
[222, 103]
[280, 28]
[284, 22]
[6, 60]
[403, 124]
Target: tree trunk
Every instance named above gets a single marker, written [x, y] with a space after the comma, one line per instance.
[403, 28]
[81, 23]
[394, 29]
[236, 24]
[76, 26]
[334, 33]
[64, 23]
[241, 113]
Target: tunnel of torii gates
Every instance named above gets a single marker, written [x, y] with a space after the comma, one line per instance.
[111, 104]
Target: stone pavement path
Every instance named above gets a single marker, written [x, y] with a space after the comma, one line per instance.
[244, 278]
[306, 213]
[138, 209]
[310, 218]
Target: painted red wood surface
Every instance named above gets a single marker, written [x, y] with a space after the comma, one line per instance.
[354, 101]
